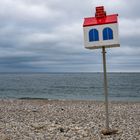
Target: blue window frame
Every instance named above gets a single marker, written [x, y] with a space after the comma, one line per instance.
[107, 33]
[93, 35]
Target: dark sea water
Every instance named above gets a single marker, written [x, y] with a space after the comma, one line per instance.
[77, 86]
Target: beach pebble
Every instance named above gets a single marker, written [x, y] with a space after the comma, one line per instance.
[67, 120]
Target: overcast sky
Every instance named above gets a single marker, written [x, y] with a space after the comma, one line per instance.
[47, 36]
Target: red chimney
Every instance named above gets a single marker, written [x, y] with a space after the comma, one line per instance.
[100, 13]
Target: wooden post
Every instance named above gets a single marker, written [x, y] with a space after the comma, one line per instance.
[105, 89]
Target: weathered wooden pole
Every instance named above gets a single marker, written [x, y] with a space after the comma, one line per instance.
[105, 88]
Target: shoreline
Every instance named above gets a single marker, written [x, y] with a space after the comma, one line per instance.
[29, 119]
[84, 100]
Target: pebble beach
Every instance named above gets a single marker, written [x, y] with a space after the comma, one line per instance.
[67, 120]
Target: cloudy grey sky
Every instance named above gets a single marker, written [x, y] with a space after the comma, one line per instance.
[47, 36]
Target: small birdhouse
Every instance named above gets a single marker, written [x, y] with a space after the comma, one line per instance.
[101, 30]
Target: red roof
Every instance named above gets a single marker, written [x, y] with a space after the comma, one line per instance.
[100, 18]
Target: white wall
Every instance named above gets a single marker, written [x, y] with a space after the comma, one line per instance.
[98, 44]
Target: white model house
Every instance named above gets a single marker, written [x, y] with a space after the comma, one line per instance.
[101, 30]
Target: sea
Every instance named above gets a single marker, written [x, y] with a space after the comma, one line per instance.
[67, 86]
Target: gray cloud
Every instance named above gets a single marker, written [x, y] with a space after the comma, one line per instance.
[40, 35]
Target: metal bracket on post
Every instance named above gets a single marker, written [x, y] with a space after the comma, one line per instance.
[105, 89]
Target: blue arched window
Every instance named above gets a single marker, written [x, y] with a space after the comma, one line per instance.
[93, 35]
[107, 33]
